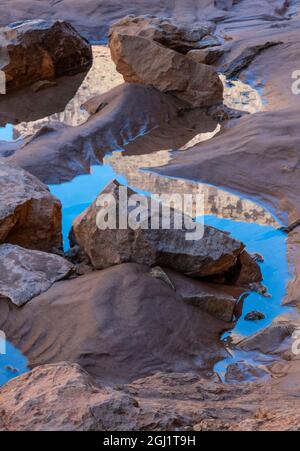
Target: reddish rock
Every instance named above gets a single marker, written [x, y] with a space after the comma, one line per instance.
[41, 50]
[142, 60]
[29, 215]
[214, 253]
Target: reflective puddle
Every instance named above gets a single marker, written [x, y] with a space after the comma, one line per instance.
[12, 364]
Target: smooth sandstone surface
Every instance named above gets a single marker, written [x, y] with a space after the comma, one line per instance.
[118, 324]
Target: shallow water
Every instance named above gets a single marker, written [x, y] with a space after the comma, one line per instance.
[12, 364]
[259, 232]
[7, 133]
[271, 244]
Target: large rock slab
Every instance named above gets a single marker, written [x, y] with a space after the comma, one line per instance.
[37, 50]
[142, 60]
[29, 215]
[118, 324]
[181, 37]
[212, 255]
[25, 274]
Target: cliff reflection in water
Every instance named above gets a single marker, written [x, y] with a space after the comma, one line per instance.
[218, 202]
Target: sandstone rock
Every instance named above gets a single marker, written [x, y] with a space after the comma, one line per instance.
[25, 274]
[141, 60]
[209, 297]
[41, 50]
[29, 215]
[119, 324]
[268, 340]
[250, 271]
[213, 254]
[64, 397]
[179, 37]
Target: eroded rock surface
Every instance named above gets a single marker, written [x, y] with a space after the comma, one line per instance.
[25, 274]
[29, 215]
[38, 50]
[64, 397]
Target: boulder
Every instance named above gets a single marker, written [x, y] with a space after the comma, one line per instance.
[37, 50]
[29, 215]
[211, 298]
[214, 254]
[118, 324]
[144, 61]
[25, 274]
[175, 36]
[250, 271]
[63, 397]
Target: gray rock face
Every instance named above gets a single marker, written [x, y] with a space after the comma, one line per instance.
[37, 50]
[141, 60]
[179, 37]
[25, 274]
[214, 254]
[29, 215]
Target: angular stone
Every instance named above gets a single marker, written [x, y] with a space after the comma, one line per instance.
[25, 274]
[37, 50]
[29, 215]
[215, 253]
[143, 61]
[209, 297]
